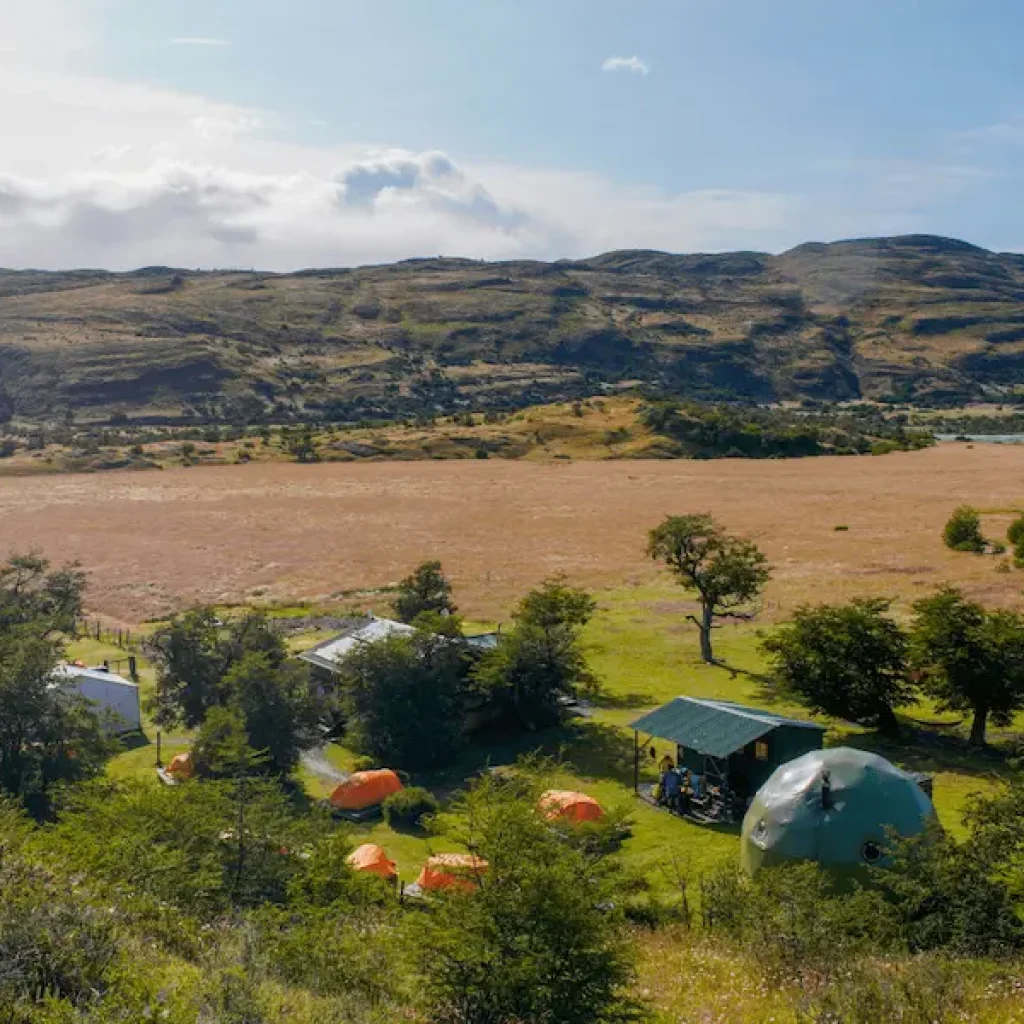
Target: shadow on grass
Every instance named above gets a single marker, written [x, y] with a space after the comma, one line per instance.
[620, 701]
[135, 741]
[592, 748]
[936, 748]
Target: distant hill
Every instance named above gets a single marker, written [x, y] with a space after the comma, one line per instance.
[919, 317]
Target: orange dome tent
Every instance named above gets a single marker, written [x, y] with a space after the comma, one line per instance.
[365, 789]
[371, 859]
[561, 803]
[451, 871]
[181, 766]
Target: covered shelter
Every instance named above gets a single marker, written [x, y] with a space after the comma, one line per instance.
[372, 860]
[451, 871]
[569, 806]
[363, 790]
[730, 746]
[837, 807]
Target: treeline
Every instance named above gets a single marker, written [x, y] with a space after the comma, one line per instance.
[736, 431]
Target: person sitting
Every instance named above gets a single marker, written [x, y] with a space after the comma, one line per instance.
[665, 764]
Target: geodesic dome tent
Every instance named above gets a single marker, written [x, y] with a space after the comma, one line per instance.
[836, 807]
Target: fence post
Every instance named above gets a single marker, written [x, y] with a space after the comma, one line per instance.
[133, 669]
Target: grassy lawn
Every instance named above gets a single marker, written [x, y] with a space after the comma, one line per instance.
[644, 652]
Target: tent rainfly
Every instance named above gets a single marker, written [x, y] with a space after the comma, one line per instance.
[372, 860]
[837, 807]
[732, 745]
[578, 807]
[181, 766]
[365, 789]
[451, 871]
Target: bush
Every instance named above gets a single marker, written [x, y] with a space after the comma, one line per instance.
[1015, 534]
[963, 531]
[409, 806]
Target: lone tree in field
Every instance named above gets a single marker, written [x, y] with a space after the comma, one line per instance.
[845, 660]
[970, 659]
[727, 573]
[426, 589]
[963, 531]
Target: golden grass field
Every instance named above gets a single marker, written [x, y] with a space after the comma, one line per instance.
[153, 541]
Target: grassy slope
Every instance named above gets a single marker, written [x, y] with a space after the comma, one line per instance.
[828, 321]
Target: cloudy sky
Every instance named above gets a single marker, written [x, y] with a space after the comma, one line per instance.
[291, 133]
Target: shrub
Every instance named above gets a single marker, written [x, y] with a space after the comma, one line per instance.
[963, 531]
[409, 806]
[1015, 534]
[842, 528]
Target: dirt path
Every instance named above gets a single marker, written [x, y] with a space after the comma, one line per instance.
[154, 541]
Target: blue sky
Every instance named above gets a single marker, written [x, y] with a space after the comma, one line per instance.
[721, 124]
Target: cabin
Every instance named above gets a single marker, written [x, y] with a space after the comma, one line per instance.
[733, 747]
[114, 698]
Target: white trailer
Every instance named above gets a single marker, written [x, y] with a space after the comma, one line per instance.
[112, 694]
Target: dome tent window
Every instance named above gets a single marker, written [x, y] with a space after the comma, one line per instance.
[871, 852]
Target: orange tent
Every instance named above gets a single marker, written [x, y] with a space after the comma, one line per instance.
[451, 871]
[371, 859]
[561, 803]
[181, 766]
[365, 789]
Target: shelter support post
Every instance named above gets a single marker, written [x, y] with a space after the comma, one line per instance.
[636, 761]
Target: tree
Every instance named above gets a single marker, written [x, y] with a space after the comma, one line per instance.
[194, 654]
[970, 659]
[727, 573]
[204, 664]
[540, 660]
[963, 531]
[48, 733]
[845, 660]
[403, 698]
[278, 709]
[541, 936]
[426, 589]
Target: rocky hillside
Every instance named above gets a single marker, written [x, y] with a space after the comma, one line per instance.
[917, 316]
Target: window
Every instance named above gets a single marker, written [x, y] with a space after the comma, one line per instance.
[871, 852]
[761, 750]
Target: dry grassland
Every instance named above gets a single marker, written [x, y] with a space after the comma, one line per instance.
[153, 541]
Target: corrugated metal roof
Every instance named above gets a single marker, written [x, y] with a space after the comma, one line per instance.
[96, 674]
[717, 728]
[330, 652]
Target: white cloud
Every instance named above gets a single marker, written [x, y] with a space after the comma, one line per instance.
[206, 41]
[1002, 133]
[634, 65]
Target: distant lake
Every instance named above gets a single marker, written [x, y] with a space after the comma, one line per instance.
[983, 438]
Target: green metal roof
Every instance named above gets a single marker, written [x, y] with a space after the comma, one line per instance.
[717, 728]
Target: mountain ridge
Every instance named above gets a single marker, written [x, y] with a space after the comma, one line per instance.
[918, 317]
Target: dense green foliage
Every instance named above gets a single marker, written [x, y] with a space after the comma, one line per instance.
[424, 591]
[204, 664]
[970, 658]
[845, 660]
[738, 431]
[48, 734]
[728, 573]
[963, 531]
[539, 663]
[540, 936]
[404, 699]
[408, 807]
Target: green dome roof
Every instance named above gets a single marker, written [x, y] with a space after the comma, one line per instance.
[832, 806]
